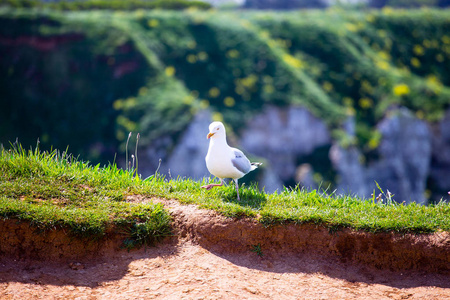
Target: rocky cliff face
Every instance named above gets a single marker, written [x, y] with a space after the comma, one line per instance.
[282, 136]
[409, 154]
[403, 164]
[186, 158]
[440, 158]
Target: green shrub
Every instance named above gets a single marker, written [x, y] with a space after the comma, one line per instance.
[77, 5]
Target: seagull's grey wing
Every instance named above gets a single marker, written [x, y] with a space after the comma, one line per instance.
[241, 162]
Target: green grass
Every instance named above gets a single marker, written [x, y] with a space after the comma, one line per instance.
[301, 206]
[54, 190]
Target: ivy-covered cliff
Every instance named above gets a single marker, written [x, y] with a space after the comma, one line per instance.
[86, 79]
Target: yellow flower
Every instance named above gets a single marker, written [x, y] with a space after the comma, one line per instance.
[415, 62]
[239, 90]
[387, 10]
[229, 101]
[130, 102]
[202, 56]
[249, 81]
[143, 90]
[351, 27]
[152, 23]
[382, 33]
[347, 101]
[375, 140]
[233, 53]
[382, 64]
[401, 89]
[204, 104]
[418, 50]
[327, 86]
[188, 99]
[365, 103]
[282, 43]
[434, 83]
[384, 55]
[268, 88]
[192, 44]
[292, 61]
[191, 58]
[118, 104]
[370, 18]
[350, 111]
[139, 13]
[126, 123]
[217, 116]
[170, 71]
[214, 92]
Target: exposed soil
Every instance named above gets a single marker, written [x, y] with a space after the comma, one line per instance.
[213, 257]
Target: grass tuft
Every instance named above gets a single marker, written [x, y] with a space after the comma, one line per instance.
[54, 190]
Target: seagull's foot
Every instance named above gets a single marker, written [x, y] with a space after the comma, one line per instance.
[210, 186]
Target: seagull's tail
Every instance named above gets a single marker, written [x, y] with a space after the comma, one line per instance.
[255, 165]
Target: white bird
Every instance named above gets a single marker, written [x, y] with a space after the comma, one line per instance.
[224, 161]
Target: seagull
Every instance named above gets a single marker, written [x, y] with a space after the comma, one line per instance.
[224, 161]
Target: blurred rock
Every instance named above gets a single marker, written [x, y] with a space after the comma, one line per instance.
[188, 157]
[285, 4]
[304, 176]
[269, 180]
[282, 135]
[352, 175]
[405, 153]
[185, 157]
[440, 162]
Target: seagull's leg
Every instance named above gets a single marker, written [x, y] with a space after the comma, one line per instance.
[237, 189]
[210, 186]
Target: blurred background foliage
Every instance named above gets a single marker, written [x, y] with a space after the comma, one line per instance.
[87, 78]
[76, 5]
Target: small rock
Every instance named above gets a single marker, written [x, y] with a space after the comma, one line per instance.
[76, 266]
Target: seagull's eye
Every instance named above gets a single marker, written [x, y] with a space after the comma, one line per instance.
[217, 128]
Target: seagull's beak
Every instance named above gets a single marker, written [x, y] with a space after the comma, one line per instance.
[210, 135]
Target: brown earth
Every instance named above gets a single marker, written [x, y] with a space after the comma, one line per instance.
[213, 257]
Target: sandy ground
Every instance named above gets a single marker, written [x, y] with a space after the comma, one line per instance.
[182, 268]
[187, 271]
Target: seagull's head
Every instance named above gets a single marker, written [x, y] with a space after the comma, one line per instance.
[216, 129]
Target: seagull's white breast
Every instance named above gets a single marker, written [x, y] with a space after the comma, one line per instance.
[218, 161]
